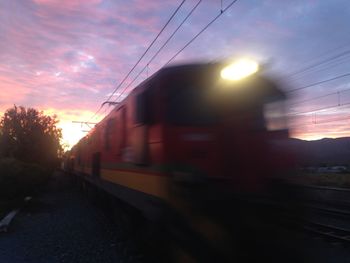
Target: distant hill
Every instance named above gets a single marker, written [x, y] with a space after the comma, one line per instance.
[325, 151]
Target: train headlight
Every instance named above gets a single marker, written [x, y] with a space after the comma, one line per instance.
[239, 69]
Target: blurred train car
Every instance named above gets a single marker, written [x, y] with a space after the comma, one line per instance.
[185, 143]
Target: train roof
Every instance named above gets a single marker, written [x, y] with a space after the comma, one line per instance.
[268, 87]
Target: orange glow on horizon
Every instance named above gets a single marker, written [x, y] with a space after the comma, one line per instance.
[312, 136]
[71, 132]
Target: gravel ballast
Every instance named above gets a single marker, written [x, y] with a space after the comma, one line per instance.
[61, 225]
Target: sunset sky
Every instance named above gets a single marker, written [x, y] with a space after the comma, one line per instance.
[65, 57]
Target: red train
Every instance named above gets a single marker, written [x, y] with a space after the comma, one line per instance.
[187, 136]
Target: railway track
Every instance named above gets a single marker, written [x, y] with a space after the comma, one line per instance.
[328, 231]
[339, 197]
[329, 210]
[325, 213]
[339, 231]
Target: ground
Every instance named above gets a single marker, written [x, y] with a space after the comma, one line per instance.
[62, 225]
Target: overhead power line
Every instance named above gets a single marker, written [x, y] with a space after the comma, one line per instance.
[320, 97]
[319, 63]
[86, 123]
[222, 11]
[201, 31]
[327, 66]
[315, 98]
[315, 122]
[160, 49]
[319, 82]
[319, 109]
[142, 56]
[327, 58]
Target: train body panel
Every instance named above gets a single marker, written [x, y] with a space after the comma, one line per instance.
[184, 125]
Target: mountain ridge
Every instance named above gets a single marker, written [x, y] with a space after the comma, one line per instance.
[325, 151]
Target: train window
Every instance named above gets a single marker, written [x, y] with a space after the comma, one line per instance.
[275, 116]
[96, 164]
[109, 132]
[122, 129]
[188, 105]
[144, 108]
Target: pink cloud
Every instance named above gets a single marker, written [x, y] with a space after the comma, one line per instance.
[70, 54]
[67, 4]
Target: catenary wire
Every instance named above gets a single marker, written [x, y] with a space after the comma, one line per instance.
[142, 56]
[319, 82]
[194, 38]
[161, 48]
[319, 97]
[326, 66]
[201, 31]
[320, 122]
[318, 109]
[346, 52]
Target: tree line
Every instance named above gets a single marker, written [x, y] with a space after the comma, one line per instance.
[28, 135]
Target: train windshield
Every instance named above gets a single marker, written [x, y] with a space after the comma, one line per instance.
[275, 116]
[189, 106]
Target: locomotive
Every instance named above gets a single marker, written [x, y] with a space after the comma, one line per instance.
[186, 142]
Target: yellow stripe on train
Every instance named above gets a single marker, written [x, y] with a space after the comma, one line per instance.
[147, 183]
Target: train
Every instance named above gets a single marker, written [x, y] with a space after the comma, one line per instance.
[188, 141]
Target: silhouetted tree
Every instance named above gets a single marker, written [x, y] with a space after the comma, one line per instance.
[29, 135]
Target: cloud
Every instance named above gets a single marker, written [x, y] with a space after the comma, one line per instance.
[67, 4]
[68, 55]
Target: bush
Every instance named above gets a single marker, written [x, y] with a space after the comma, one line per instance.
[19, 179]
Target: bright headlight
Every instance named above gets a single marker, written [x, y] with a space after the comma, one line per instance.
[239, 69]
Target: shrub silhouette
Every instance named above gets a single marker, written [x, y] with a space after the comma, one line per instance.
[30, 136]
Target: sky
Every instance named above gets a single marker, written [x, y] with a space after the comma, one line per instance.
[65, 57]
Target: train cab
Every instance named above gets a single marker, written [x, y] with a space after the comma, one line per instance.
[187, 142]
